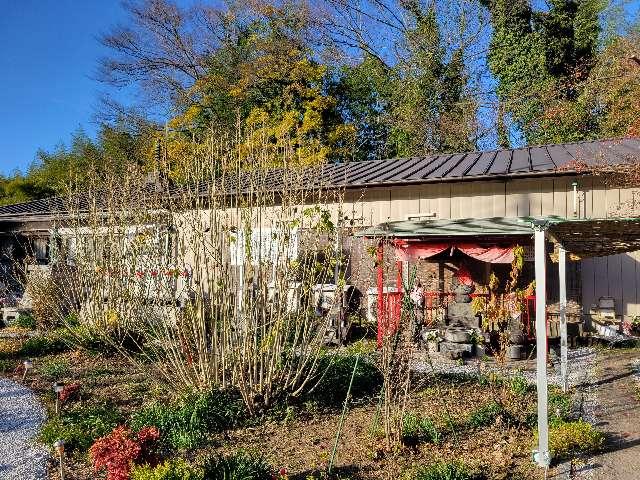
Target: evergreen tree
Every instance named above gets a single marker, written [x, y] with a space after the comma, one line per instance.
[539, 60]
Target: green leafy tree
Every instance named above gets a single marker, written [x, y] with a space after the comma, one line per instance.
[265, 84]
[417, 106]
[363, 92]
[74, 165]
[540, 60]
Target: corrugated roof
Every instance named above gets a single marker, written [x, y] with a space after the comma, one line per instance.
[525, 161]
[463, 166]
[42, 206]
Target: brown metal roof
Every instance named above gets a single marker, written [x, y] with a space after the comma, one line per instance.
[494, 164]
[468, 166]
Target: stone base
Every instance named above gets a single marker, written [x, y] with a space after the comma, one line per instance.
[456, 350]
[480, 351]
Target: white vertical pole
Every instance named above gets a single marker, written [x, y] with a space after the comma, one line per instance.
[542, 456]
[562, 272]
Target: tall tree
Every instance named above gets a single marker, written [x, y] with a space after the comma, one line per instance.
[430, 110]
[539, 59]
[363, 92]
[252, 74]
[416, 101]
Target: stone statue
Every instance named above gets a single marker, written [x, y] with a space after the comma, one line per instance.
[459, 312]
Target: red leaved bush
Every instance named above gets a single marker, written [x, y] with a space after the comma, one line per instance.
[69, 391]
[121, 449]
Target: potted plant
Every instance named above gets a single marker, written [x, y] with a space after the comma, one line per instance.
[635, 324]
[432, 340]
[478, 341]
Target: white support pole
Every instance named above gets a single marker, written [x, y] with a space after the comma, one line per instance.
[542, 456]
[562, 273]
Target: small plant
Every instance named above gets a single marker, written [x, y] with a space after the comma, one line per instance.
[121, 449]
[446, 471]
[71, 320]
[485, 415]
[477, 338]
[432, 336]
[188, 423]
[25, 320]
[560, 405]
[6, 365]
[419, 429]
[69, 392]
[568, 438]
[519, 385]
[239, 466]
[80, 425]
[176, 469]
[41, 345]
[335, 374]
[9, 348]
[54, 369]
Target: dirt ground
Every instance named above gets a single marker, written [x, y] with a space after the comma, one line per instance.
[302, 441]
[618, 415]
[303, 445]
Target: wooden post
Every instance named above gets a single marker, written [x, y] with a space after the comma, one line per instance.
[542, 456]
[562, 269]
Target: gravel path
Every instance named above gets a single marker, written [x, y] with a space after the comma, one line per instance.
[580, 361]
[20, 419]
[618, 412]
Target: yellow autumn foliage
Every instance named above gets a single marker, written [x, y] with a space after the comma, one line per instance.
[291, 125]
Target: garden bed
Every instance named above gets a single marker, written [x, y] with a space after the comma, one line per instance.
[483, 422]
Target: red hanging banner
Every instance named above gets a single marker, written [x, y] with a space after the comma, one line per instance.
[406, 251]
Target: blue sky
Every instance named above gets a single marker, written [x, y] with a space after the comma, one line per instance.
[48, 56]
[49, 52]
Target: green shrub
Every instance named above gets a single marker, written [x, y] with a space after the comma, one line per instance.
[80, 425]
[568, 438]
[85, 338]
[560, 409]
[71, 321]
[40, 345]
[54, 369]
[461, 378]
[485, 415]
[446, 471]
[25, 320]
[419, 429]
[6, 365]
[519, 385]
[560, 405]
[335, 372]
[239, 466]
[176, 469]
[188, 423]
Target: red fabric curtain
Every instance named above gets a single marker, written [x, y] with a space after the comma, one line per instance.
[406, 251]
[487, 254]
[414, 251]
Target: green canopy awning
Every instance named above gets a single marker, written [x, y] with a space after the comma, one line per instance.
[446, 228]
[585, 237]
